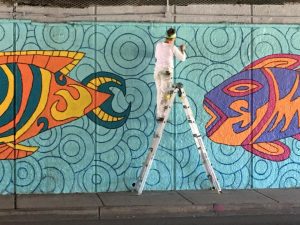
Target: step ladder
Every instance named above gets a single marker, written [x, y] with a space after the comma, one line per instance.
[177, 89]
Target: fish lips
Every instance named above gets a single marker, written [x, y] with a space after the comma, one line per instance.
[217, 116]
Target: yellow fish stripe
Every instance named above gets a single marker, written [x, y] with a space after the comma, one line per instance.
[22, 147]
[63, 53]
[10, 93]
[107, 79]
[101, 80]
[79, 55]
[90, 85]
[104, 116]
[75, 56]
[64, 71]
[42, 103]
[71, 54]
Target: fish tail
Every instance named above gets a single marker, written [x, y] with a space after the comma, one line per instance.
[105, 115]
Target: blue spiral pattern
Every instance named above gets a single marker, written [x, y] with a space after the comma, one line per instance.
[60, 36]
[128, 50]
[6, 176]
[83, 157]
[6, 36]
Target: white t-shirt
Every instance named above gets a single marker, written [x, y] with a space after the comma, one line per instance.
[164, 54]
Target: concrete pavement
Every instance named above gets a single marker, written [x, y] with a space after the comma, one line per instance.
[156, 204]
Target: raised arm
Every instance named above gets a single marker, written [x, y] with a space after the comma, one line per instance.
[179, 54]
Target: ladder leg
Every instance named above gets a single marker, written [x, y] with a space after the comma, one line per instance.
[139, 185]
[199, 142]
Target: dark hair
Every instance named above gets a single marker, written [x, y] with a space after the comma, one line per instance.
[170, 32]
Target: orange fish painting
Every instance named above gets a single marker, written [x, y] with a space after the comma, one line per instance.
[36, 95]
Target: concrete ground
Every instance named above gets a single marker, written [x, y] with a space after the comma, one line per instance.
[121, 205]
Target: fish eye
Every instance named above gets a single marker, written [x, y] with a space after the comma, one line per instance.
[242, 88]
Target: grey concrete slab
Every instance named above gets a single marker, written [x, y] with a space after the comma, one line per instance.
[52, 14]
[213, 13]
[276, 10]
[233, 197]
[283, 14]
[135, 13]
[6, 12]
[92, 13]
[214, 9]
[6, 202]
[276, 20]
[211, 19]
[291, 196]
[146, 199]
[134, 18]
[47, 201]
[197, 13]
[27, 10]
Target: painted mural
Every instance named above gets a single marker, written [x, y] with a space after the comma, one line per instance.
[36, 88]
[100, 144]
[256, 113]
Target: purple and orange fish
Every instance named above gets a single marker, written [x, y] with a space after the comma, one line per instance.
[257, 107]
[36, 95]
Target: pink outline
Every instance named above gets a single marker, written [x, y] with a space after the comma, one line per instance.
[276, 158]
[222, 116]
[270, 110]
[291, 56]
[247, 92]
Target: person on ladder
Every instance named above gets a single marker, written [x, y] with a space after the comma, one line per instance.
[163, 71]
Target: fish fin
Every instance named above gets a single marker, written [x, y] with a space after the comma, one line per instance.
[297, 137]
[54, 61]
[288, 61]
[15, 151]
[274, 151]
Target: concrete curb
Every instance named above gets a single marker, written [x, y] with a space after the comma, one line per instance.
[196, 210]
[127, 212]
[49, 214]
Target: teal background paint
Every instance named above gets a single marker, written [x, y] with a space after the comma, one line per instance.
[83, 157]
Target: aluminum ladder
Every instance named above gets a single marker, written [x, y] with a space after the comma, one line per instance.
[177, 89]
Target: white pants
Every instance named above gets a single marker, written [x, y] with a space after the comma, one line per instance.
[163, 80]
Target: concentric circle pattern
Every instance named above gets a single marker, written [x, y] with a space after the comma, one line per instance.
[128, 50]
[82, 156]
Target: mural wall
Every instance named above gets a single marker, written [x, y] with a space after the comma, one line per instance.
[77, 107]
